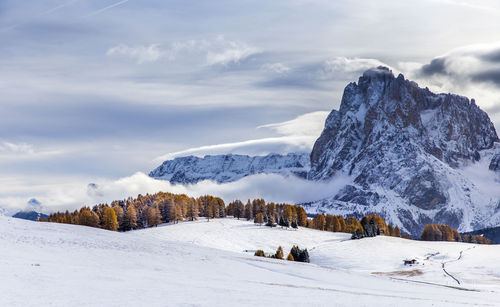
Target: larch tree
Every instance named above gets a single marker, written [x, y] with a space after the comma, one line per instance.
[192, 210]
[130, 220]
[153, 216]
[109, 220]
[301, 216]
[120, 215]
[249, 211]
[397, 231]
[279, 253]
[259, 219]
[209, 212]
[238, 209]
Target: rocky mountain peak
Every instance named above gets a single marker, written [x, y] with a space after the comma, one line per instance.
[396, 138]
[381, 107]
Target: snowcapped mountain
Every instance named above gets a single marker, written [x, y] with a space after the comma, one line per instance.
[412, 156]
[228, 168]
[404, 148]
[30, 215]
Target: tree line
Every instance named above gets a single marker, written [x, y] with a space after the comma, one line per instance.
[144, 211]
[153, 209]
[295, 254]
[440, 232]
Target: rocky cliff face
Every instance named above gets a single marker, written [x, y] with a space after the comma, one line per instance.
[228, 168]
[403, 146]
[495, 163]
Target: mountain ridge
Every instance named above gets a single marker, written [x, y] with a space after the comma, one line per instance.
[230, 167]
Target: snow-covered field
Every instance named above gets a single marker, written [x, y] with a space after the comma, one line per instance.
[212, 264]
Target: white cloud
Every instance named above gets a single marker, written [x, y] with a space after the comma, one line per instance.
[142, 54]
[226, 52]
[349, 67]
[297, 135]
[218, 51]
[278, 68]
[270, 187]
[310, 124]
[19, 148]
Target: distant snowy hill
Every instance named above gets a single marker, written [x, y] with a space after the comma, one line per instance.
[412, 156]
[228, 168]
[30, 215]
[212, 264]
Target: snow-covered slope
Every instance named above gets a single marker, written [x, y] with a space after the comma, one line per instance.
[228, 168]
[205, 264]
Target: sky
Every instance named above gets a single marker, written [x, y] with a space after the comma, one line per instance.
[103, 91]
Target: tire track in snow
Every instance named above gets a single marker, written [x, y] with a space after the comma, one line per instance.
[443, 264]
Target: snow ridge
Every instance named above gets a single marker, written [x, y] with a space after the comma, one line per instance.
[230, 167]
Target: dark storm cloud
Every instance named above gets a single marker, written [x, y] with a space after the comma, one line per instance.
[436, 66]
[492, 56]
[477, 64]
[491, 76]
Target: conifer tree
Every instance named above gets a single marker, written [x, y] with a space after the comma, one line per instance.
[238, 209]
[397, 232]
[390, 229]
[259, 253]
[130, 220]
[290, 257]
[153, 216]
[287, 215]
[259, 219]
[178, 213]
[301, 216]
[319, 222]
[279, 253]
[109, 220]
[120, 215]
[209, 211]
[192, 211]
[249, 211]
[84, 217]
[336, 224]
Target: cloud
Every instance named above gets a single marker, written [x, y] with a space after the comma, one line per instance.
[34, 203]
[310, 124]
[142, 54]
[297, 135]
[270, 187]
[12, 148]
[228, 52]
[277, 68]
[323, 74]
[472, 71]
[476, 63]
[218, 51]
[340, 66]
